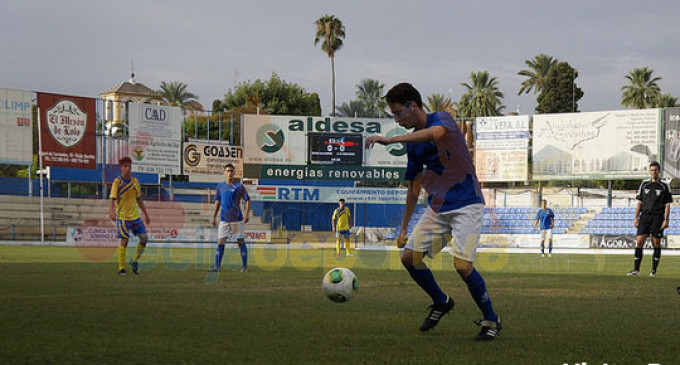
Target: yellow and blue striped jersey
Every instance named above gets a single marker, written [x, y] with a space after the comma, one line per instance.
[126, 193]
[341, 218]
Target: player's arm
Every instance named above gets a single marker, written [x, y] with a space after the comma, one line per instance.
[536, 221]
[433, 133]
[215, 212]
[666, 216]
[142, 207]
[552, 222]
[333, 220]
[412, 194]
[349, 218]
[246, 216]
[112, 208]
[637, 213]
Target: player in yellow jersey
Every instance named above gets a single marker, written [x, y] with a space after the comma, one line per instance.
[125, 197]
[342, 223]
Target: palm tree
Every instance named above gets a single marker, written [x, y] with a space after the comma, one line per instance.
[440, 103]
[355, 108]
[537, 74]
[175, 94]
[642, 90]
[369, 92]
[330, 32]
[665, 101]
[482, 98]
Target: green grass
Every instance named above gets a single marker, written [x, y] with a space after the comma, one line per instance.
[58, 305]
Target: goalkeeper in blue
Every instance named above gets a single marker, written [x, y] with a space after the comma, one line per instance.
[439, 162]
[228, 198]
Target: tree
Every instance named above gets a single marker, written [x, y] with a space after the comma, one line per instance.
[560, 94]
[274, 96]
[642, 90]
[440, 103]
[369, 93]
[175, 93]
[537, 74]
[355, 108]
[665, 101]
[330, 32]
[482, 97]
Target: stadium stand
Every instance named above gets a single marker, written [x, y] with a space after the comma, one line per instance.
[619, 220]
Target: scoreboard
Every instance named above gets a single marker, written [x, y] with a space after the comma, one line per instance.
[335, 149]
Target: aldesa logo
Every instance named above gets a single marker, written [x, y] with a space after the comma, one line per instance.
[270, 138]
[396, 149]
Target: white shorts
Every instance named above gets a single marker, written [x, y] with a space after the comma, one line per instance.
[462, 227]
[232, 231]
[546, 234]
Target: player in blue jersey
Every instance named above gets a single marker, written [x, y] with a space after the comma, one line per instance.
[228, 198]
[545, 221]
[439, 162]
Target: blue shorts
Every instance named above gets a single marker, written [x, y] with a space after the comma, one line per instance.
[344, 234]
[125, 227]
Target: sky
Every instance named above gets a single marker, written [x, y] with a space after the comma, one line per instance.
[85, 47]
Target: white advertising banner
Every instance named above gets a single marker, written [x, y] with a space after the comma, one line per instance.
[16, 127]
[533, 241]
[327, 194]
[155, 138]
[596, 145]
[502, 148]
[205, 161]
[282, 140]
[108, 237]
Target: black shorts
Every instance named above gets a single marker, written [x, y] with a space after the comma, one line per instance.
[650, 224]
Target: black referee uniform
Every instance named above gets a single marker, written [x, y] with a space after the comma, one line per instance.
[653, 197]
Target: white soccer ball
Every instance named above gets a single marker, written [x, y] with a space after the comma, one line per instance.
[340, 284]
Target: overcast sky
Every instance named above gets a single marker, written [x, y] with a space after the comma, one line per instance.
[85, 47]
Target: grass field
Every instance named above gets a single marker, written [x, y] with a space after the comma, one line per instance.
[61, 306]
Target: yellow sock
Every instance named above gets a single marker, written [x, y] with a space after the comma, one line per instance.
[337, 246]
[138, 252]
[347, 247]
[122, 250]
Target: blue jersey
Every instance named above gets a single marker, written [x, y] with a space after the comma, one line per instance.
[445, 166]
[230, 197]
[545, 218]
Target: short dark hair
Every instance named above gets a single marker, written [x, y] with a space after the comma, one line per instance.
[124, 161]
[654, 163]
[341, 200]
[402, 93]
[229, 165]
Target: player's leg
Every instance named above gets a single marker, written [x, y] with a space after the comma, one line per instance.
[222, 233]
[550, 242]
[140, 231]
[428, 238]
[466, 226]
[656, 233]
[337, 243]
[239, 229]
[124, 236]
[542, 233]
[346, 239]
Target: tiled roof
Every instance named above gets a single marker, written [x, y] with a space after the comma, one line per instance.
[131, 88]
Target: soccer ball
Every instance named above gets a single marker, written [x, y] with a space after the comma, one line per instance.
[340, 284]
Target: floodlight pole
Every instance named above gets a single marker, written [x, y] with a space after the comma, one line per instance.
[40, 164]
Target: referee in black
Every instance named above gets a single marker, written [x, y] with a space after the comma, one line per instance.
[651, 216]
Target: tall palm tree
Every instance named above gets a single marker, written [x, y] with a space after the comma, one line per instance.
[369, 92]
[440, 103]
[537, 74]
[175, 93]
[665, 101]
[330, 32]
[482, 97]
[642, 90]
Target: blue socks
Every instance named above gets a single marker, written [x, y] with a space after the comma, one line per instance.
[477, 288]
[219, 253]
[424, 278]
[244, 254]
